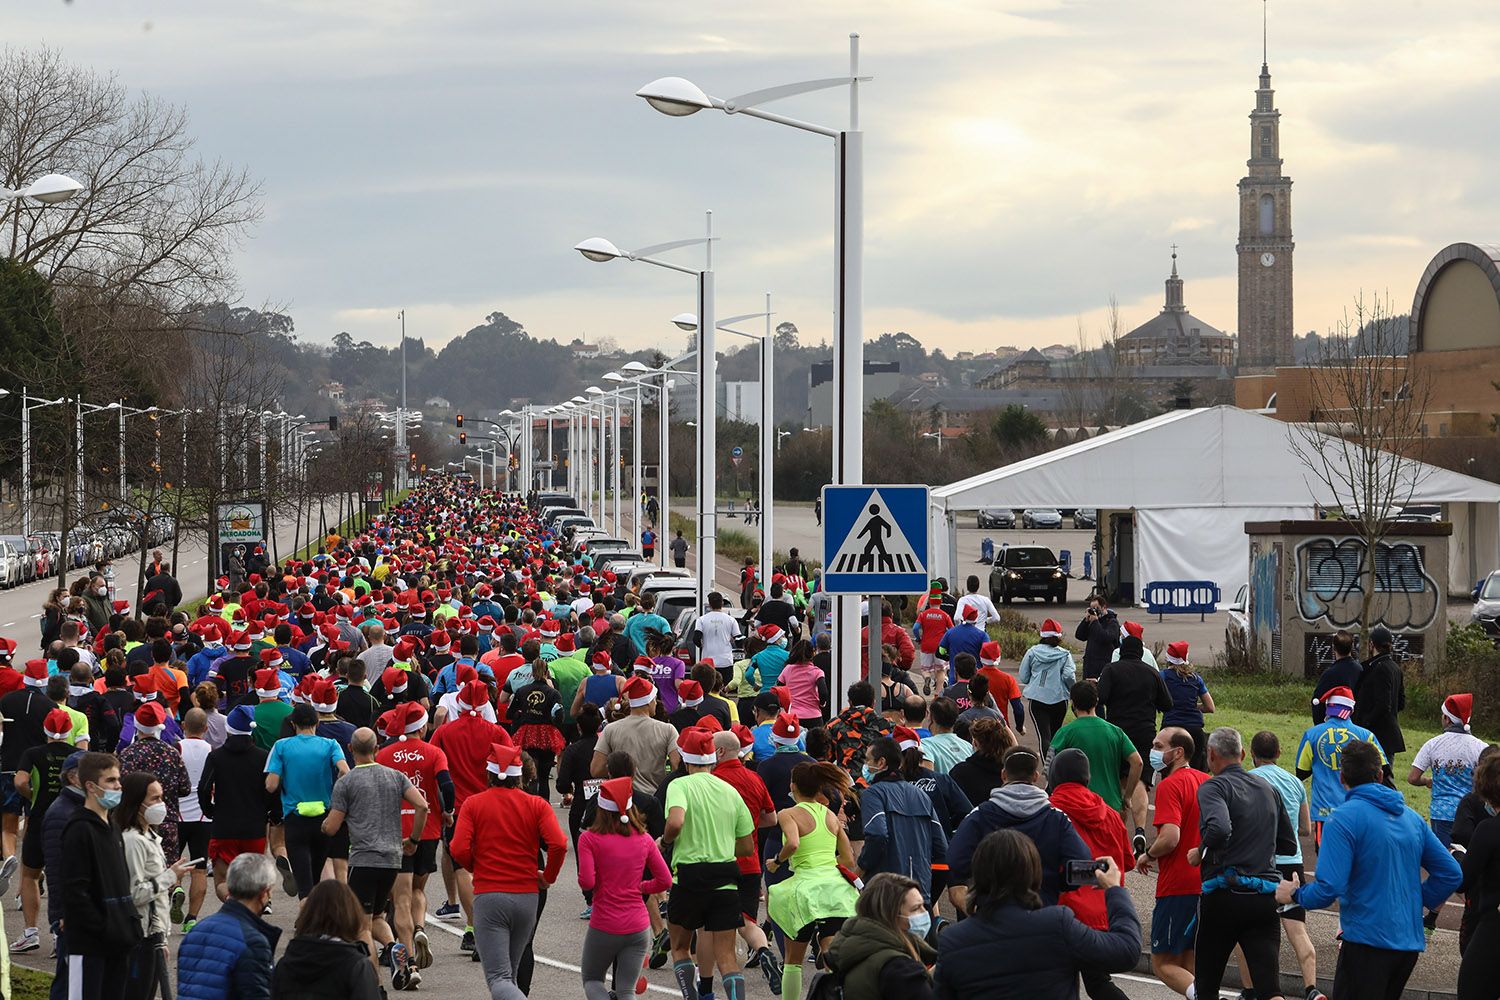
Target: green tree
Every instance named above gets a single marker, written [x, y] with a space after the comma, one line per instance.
[1017, 428]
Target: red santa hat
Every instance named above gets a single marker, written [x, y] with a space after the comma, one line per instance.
[404, 720]
[1339, 702]
[614, 796]
[120, 607]
[710, 723]
[970, 613]
[267, 683]
[906, 739]
[255, 630]
[150, 719]
[7, 649]
[1136, 629]
[549, 628]
[639, 692]
[464, 673]
[144, 685]
[487, 624]
[783, 696]
[504, 761]
[770, 634]
[989, 654]
[691, 693]
[36, 673]
[565, 643]
[272, 658]
[601, 661]
[324, 696]
[58, 725]
[696, 746]
[1458, 709]
[473, 696]
[1177, 653]
[745, 736]
[406, 647]
[394, 680]
[643, 664]
[216, 602]
[440, 642]
[240, 642]
[786, 730]
[1051, 629]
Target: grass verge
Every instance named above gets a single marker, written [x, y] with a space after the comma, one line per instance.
[29, 984]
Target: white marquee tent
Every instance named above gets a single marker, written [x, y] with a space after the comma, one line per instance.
[1193, 478]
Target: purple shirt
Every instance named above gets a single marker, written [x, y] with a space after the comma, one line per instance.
[668, 670]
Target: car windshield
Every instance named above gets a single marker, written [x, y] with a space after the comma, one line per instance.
[1491, 591]
[1024, 558]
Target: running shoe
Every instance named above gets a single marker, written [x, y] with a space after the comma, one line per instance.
[179, 900]
[189, 924]
[448, 911]
[413, 978]
[421, 948]
[588, 911]
[1138, 842]
[770, 967]
[288, 880]
[1313, 993]
[400, 973]
[30, 940]
[660, 949]
[7, 872]
[467, 944]
[1429, 921]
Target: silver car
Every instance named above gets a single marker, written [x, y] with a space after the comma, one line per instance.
[1486, 610]
[1041, 517]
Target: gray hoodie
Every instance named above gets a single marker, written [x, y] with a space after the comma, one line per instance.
[1047, 674]
[1018, 801]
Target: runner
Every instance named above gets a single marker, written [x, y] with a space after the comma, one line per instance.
[302, 768]
[234, 801]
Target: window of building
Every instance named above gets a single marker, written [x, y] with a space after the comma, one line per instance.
[1267, 214]
[1267, 142]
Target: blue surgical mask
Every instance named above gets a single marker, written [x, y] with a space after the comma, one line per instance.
[1489, 809]
[919, 924]
[110, 797]
[1158, 763]
[870, 773]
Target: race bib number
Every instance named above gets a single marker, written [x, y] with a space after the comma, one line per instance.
[591, 788]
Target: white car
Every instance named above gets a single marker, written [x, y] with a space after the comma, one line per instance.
[1237, 631]
[10, 565]
[1041, 517]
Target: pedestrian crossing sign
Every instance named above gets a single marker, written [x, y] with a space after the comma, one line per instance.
[875, 539]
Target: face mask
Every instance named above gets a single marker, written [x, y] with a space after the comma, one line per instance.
[156, 814]
[1158, 763]
[110, 797]
[919, 924]
[1489, 809]
[870, 773]
[102, 591]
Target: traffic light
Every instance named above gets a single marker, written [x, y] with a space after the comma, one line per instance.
[463, 437]
[459, 420]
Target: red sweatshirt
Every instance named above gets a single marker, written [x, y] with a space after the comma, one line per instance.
[516, 826]
[1103, 833]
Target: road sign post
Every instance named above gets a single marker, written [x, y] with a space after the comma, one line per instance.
[875, 541]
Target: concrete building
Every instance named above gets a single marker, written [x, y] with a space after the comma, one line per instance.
[1175, 336]
[740, 401]
[882, 381]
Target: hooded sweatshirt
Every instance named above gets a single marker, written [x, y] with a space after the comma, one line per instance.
[1374, 849]
[1025, 808]
[1047, 673]
[1103, 833]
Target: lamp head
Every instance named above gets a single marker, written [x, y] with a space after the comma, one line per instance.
[674, 96]
[613, 377]
[579, 399]
[594, 390]
[685, 321]
[634, 366]
[52, 188]
[599, 249]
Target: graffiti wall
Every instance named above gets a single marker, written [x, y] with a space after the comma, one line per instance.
[1306, 582]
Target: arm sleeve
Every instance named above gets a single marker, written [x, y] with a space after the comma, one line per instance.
[1114, 950]
[586, 876]
[1081, 633]
[1213, 817]
[445, 790]
[872, 853]
[1163, 696]
[1018, 708]
[1334, 860]
[1105, 685]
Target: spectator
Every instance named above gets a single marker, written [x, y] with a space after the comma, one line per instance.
[327, 959]
[1344, 671]
[1014, 947]
[98, 913]
[1480, 969]
[228, 955]
[1113, 758]
[141, 808]
[1371, 861]
[1100, 633]
[1046, 675]
[1381, 695]
[882, 953]
[68, 802]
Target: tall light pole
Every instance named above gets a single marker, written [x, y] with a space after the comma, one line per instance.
[26, 407]
[676, 97]
[598, 249]
[401, 414]
[83, 408]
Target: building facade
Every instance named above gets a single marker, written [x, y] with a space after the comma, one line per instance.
[1175, 336]
[1265, 243]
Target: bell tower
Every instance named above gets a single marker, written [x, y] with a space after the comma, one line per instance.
[1265, 243]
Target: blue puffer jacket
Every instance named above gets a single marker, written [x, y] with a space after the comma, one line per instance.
[227, 956]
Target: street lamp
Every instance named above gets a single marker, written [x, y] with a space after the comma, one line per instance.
[767, 478]
[935, 434]
[80, 408]
[26, 407]
[49, 189]
[600, 249]
[677, 98]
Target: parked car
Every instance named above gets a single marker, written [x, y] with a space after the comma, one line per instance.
[1028, 571]
[1486, 610]
[10, 565]
[996, 517]
[1237, 630]
[1085, 517]
[639, 577]
[1041, 517]
[1429, 513]
[44, 555]
[25, 557]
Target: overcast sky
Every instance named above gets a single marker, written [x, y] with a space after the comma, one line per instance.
[1025, 159]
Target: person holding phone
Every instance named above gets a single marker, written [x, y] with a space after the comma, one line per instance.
[1013, 947]
[143, 808]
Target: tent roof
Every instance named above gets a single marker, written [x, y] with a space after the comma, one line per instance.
[1219, 456]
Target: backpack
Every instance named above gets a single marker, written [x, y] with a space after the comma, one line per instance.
[825, 985]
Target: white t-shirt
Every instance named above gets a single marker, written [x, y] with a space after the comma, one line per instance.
[582, 606]
[987, 612]
[719, 631]
[449, 704]
[1452, 758]
[194, 754]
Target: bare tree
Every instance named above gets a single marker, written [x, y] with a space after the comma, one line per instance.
[1365, 440]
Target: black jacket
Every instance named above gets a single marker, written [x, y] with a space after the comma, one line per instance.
[54, 821]
[1242, 824]
[977, 777]
[1011, 953]
[232, 791]
[161, 587]
[1131, 693]
[100, 915]
[1100, 636]
[1380, 695]
[323, 969]
[1343, 672]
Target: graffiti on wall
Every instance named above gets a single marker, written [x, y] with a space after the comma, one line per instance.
[1265, 606]
[1318, 654]
[1330, 585]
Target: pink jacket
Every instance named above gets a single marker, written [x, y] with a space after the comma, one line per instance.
[802, 679]
[611, 866]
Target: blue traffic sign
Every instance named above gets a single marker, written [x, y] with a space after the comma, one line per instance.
[737, 451]
[875, 539]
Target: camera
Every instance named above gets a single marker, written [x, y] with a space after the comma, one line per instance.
[1077, 874]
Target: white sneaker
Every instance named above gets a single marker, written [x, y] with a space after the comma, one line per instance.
[30, 940]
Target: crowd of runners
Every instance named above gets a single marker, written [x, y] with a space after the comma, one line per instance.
[451, 695]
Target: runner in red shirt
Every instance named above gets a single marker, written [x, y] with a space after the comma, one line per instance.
[466, 740]
[1003, 687]
[427, 767]
[1180, 885]
[934, 623]
[731, 770]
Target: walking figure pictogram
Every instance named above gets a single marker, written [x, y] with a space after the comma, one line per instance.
[877, 528]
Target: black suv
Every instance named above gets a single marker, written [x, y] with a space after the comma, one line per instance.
[1027, 571]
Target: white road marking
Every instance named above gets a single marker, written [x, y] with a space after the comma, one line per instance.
[7, 625]
[567, 966]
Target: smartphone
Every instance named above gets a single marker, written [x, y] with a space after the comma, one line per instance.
[1077, 874]
[198, 862]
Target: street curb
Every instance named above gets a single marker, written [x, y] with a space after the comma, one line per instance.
[1291, 982]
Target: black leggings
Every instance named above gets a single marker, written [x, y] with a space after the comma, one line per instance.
[1226, 919]
[306, 850]
[1048, 720]
[544, 760]
[527, 964]
[1479, 973]
[1099, 986]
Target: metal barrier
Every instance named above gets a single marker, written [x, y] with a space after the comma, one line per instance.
[1181, 597]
